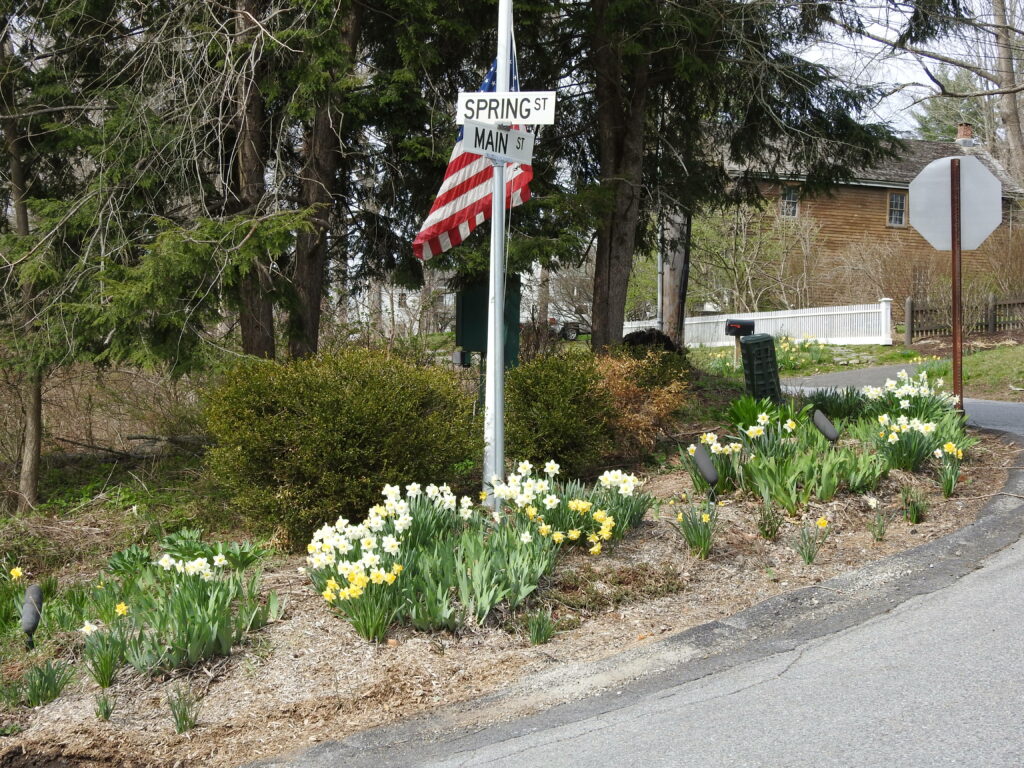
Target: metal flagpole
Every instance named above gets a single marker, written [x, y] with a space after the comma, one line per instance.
[494, 394]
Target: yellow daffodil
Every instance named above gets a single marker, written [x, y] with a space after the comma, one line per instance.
[483, 495]
[596, 549]
[558, 537]
[544, 530]
[574, 534]
[329, 595]
[121, 609]
[17, 573]
[705, 518]
[822, 522]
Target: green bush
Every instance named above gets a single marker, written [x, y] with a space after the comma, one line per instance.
[556, 407]
[299, 444]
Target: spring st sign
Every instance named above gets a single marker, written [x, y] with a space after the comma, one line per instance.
[519, 107]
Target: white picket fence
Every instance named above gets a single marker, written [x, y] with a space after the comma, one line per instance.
[850, 324]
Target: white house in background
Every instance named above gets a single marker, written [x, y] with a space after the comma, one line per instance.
[399, 311]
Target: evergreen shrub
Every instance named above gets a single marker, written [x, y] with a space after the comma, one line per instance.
[557, 407]
[299, 444]
[645, 392]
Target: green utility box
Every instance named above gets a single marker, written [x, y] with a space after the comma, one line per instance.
[760, 368]
[471, 318]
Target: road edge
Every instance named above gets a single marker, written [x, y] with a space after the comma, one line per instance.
[776, 625]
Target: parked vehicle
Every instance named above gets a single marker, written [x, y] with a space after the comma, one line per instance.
[570, 327]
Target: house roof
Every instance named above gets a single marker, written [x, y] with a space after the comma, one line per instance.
[901, 170]
[897, 172]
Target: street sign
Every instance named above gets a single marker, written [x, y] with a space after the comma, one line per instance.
[513, 145]
[519, 108]
[981, 203]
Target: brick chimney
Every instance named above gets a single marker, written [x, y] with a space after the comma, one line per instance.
[965, 134]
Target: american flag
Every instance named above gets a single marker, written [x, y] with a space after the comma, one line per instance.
[464, 201]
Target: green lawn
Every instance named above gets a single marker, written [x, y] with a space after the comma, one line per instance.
[806, 357]
[989, 374]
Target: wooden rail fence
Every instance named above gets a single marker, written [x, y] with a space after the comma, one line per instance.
[996, 314]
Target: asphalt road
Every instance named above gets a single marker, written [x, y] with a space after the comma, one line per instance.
[934, 679]
[937, 681]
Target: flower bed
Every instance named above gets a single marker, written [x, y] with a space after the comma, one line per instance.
[435, 561]
[468, 602]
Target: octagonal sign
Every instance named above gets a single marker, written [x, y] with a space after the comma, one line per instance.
[981, 203]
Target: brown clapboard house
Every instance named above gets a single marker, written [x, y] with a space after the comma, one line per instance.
[864, 247]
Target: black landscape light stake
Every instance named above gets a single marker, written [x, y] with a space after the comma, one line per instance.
[825, 427]
[31, 611]
[707, 470]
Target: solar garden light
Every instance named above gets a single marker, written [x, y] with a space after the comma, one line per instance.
[825, 427]
[31, 612]
[707, 470]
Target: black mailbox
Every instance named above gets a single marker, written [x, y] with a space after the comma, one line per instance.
[739, 327]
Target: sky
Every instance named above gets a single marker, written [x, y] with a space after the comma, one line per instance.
[869, 63]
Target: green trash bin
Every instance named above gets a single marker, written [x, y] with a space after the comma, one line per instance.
[760, 367]
[471, 318]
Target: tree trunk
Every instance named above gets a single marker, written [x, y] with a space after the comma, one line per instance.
[256, 315]
[621, 117]
[1008, 107]
[32, 438]
[544, 297]
[32, 444]
[677, 268]
[318, 181]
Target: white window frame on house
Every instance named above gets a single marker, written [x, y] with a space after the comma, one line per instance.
[896, 216]
[789, 202]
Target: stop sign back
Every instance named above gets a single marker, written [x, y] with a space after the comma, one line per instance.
[981, 203]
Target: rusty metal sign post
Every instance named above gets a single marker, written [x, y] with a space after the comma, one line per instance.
[957, 318]
[955, 209]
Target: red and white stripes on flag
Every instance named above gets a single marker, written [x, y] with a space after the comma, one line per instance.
[464, 201]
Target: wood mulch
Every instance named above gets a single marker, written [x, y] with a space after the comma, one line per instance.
[309, 678]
